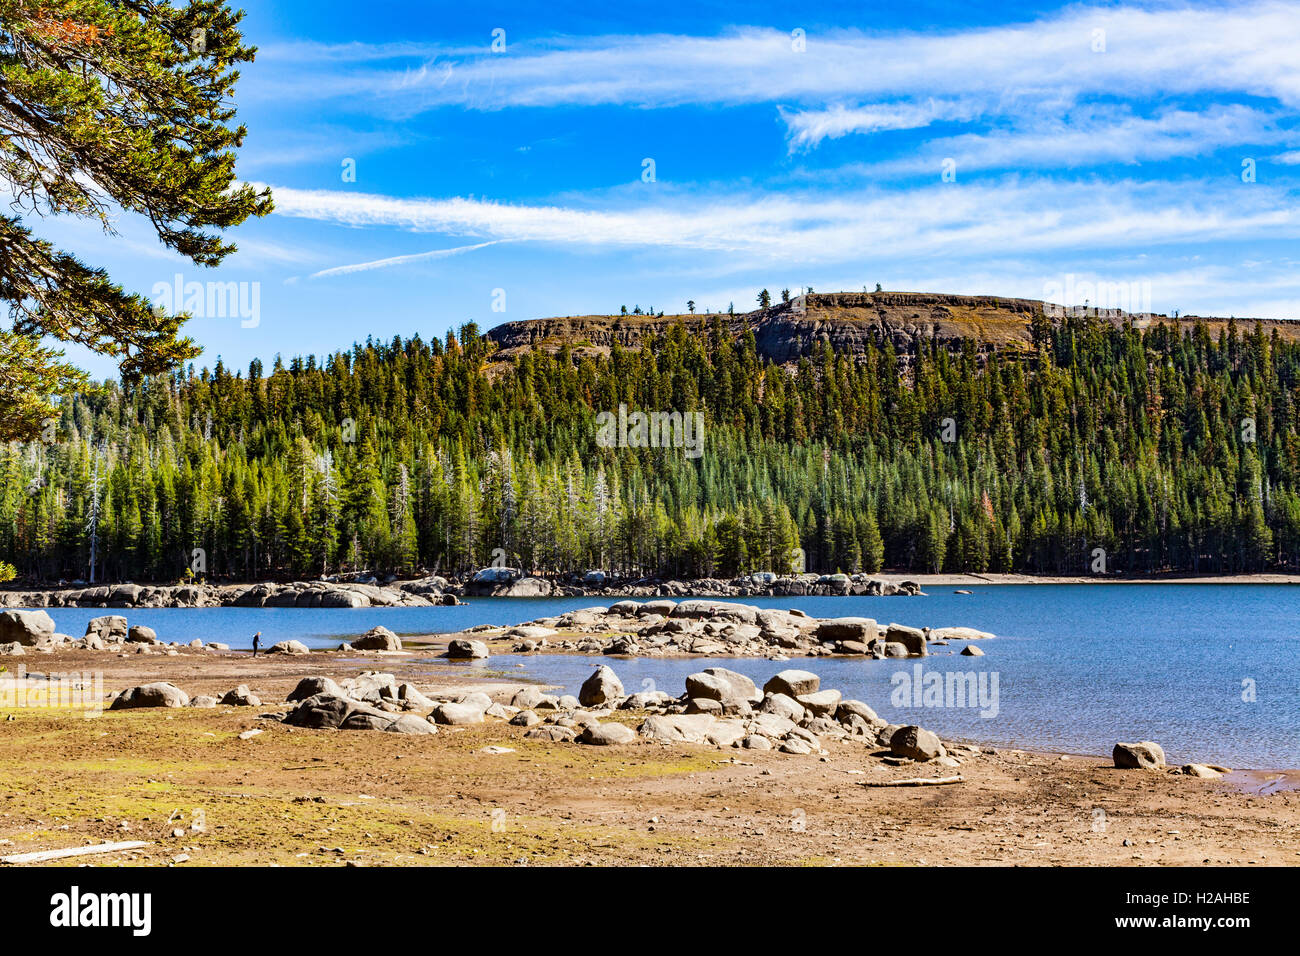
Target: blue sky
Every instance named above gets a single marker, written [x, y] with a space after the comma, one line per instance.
[1152, 149]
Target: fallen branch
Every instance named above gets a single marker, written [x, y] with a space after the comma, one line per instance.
[913, 782]
[42, 856]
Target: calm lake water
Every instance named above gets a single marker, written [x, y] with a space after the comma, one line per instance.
[1212, 672]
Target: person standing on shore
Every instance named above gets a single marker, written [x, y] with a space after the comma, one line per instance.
[257, 642]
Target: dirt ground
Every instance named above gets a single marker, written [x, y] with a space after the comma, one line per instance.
[292, 796]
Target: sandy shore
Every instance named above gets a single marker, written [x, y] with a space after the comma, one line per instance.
[293, 796]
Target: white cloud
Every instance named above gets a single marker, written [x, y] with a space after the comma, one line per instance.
[1247, 48]
[1011, 216]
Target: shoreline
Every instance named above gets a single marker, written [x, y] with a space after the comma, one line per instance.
[486, 793]
[432, 592]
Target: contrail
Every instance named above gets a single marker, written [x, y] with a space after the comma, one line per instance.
[401, 260]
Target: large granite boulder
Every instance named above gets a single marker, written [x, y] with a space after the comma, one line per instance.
[793, 684]
[26, 627]
[378, 638]
[159, 694]
[1146, 755]
[602, 688]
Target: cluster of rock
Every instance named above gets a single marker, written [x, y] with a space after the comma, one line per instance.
[513, 582]
[377, 701]
[721, 708]
[23, 631]
[436, 590]
[664, 628]
[1149, 755]
[424, 592]
[167, 694]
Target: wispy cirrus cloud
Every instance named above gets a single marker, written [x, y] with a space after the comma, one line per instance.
[1127, 50]
[1013, 215]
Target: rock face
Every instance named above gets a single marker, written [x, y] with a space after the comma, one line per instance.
[916, 743]
[603, 688]
[160, 694]
[378, 638]
[26, 627]
[1146, 755]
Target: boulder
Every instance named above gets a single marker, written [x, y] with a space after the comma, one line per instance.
[916, 743]
[241, 696]
[320, 712]
[646, 700]
[602, 688]
[895, 649]
[793, 683]
[139, 634]
[605, 735]
[692, 728]
[782, 705]
[525, 718]
[733, 691]
[457, 715]
[970, 650]
[203, 701]
[821, 703]
[1201, 770]
[410, 724]
[25, 627]
[313, 686]
[159, 694]
[717, 611]
[365, 720]
[526, 587]
[372, 687]
[413, 698]
[835, 630]
[551, 732]
[12, 649]
[288, 647]
[858, 708]
[110, 628]
[1146, 755]
[463, 649]
[912, 638]
[958, 634]
[526, 698]
[378, 638]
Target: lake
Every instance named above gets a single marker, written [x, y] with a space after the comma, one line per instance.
[1212, 672]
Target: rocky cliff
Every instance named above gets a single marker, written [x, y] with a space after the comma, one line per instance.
[847, 320]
